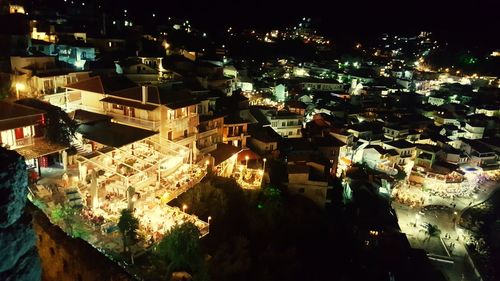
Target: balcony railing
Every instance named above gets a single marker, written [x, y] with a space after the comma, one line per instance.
[207, 148]
[24, 142]
[134, 121]
[207, 133]
[234, 135]
[182, 123]
[185, 140]
[127, 120]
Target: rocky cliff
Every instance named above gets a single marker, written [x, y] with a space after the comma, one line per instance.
[19, 259]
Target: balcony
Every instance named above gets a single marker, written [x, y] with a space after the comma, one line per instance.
[119, 118]
[182, 123]
[207, 148]
[295, 126]
[207, 133]
[185, 140]
[134, 121]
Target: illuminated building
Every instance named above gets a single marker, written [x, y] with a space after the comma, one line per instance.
[21, 129]
[235, 131]
[405, 150]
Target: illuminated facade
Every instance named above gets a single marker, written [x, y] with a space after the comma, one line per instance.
[235, 131]
[174, 115]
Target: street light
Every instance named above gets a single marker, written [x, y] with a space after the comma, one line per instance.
[246, 162]
[19, 87]
[184, 207]
[264, 168]
[209, 218]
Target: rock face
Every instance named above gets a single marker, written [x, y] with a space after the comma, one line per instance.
[15, 241]
[13, 187]
[18, 255]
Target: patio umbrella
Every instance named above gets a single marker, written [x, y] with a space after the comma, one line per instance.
[93, 189]
[65, 159]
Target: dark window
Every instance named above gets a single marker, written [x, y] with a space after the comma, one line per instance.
[52, 252]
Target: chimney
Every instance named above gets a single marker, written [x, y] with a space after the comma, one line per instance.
[144, 94]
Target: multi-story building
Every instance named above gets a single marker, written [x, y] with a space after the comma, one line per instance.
[235, 131]
[380, 159]
[286, 124]
[479, 154]
[405, 149]
[488, 110]
[174, 114]
[474, 131]
[19, 125]
[306, 180]
[35, 76]
[76, 53]
[210, 132]
[322, 85]
[426, 155]
[395, 132]
[264, 140]
[21, 129]
[297, 107]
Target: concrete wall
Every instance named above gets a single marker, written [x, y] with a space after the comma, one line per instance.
[92, 99]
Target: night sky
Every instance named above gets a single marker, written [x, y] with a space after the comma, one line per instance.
[471, 22]
[468, 23]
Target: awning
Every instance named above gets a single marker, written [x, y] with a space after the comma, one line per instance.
[40, 148]
[223, 152]
[113, 134]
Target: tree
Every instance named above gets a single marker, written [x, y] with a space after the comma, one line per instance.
[181, 247]
[59, 127]
[128, 225]
[4, 90]
[232, 260]
[401, 175]
[206, 200]
[65, 214]
[431, 230]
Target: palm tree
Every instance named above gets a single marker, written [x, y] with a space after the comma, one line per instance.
[128, 225]
[431, 230]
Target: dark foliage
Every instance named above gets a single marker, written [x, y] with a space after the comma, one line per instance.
[59, 127]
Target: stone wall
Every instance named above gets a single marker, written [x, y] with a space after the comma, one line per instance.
[67, 258]
[19, 259]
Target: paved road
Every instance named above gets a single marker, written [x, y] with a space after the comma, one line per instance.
[444, 216]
